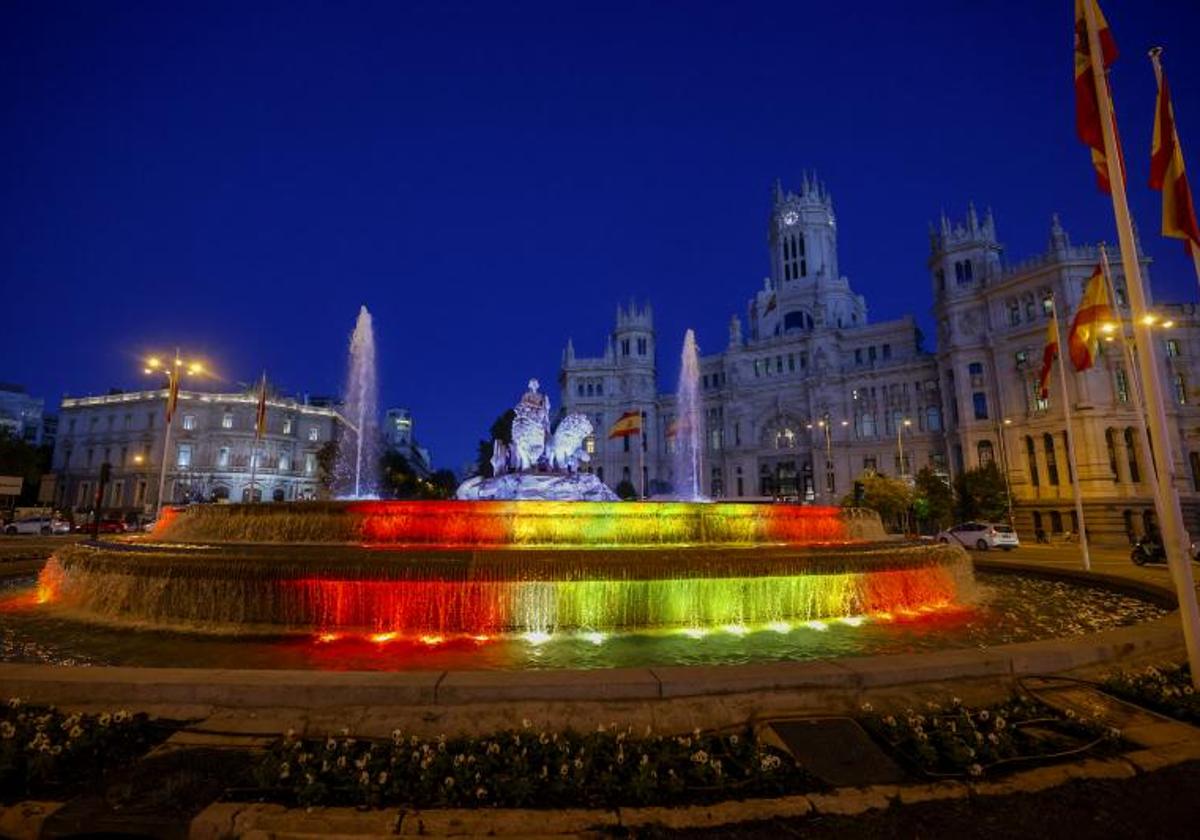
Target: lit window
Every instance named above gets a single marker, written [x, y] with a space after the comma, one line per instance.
[287, 425]
[314, 434]
[285, 463]
[227, 421]
[589, 444]
[310, 463]
[189, 422]
[184, 455]
[979, 399]
[223, 456]
[1172, 347]
[1180, 389]
[1122, 382]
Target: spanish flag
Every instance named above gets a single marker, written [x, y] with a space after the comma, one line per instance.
[1168, 176]
[172, 393]
[770, 306]
[260, 417]
[629, 423]
[1087, 107]
[1094, 312]
[672, 430]
[1048, 356]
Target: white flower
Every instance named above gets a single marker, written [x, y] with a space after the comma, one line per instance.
[889, 720]
[7, 730]
[975, 770]
[289, 735]
[564, 770]
[14, 702]
[75, 732]
[867, 707]
[526, 723]
[1000, 722]
[733, 739]
[341, 762]
[716, 765]
[993, 738]
[578, 764]
[121, 716]
[645, 760]
[480, 793]
[285, 770]
[345, 730]
[330, 745]
[105, 719]
[364, 778]
[449, 782]
[984, 714]
[700, 757]
[493, 749]
[545, 771]
[383, 777]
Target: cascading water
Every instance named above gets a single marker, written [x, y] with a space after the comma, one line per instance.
[687, 414]
[356, 471]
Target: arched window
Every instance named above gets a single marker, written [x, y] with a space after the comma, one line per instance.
[1110, 441]
[277, 496]
[968, 274]
[1180, 387]
[958, 273]
[1051, 460]
[1135, 474]
[1031, 457]
[985, 453]
[793, 321]
[785, 438]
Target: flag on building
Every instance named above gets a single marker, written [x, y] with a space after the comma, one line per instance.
[172, 393]
[1168, 176]
[770, 306]
[1095, 310]
[629, 423]
[1087, 107]
[672, 430]
[1048, 355]
[260, 417]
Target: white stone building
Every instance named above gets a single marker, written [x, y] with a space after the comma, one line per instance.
[399, 436]
[209, 458]
[813, 393]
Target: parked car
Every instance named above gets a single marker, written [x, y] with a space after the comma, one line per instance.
[37, 525]
[107, 526]
[981, 535]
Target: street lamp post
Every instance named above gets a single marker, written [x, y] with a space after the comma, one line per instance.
[1004, 463]
[900, 427]
[173, 372]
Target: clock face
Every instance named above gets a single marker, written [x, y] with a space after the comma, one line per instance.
[790, 218]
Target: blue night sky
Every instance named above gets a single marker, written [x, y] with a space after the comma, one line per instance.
[491, 179]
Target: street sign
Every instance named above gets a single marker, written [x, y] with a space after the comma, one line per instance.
[46, 489]
[10, 485]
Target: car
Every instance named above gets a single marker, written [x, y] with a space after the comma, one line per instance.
[37, 525]
[981, 535]
[106, 526]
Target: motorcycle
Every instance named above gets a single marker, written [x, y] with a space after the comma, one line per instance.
[1148, 550]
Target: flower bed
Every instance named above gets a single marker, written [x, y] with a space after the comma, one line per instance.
[1166, 689]
[526, 768]
[45, 752]
[952, 740]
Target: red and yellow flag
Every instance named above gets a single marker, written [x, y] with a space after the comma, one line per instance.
[770, 305]
[1168, 175]
[1087, 106]
[1095, 310]
[1048, 356]
[172, 393]
[260, 417]
[629, 423]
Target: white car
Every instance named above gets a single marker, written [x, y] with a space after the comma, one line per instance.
[981, 535]
[38, 525]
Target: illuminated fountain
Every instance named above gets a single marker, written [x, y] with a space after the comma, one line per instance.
[509, 557]
[356, 471]
[687, 406]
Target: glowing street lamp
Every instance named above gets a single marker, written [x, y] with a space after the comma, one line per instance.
[900, 427]
[173, 372]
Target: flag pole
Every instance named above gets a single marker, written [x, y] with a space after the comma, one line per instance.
[1170, 515]
[170, 418]
[1072, 465]
[1156, 60]
[262, 386]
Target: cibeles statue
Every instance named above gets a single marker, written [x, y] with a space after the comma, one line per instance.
[531, 428]
[538, 465]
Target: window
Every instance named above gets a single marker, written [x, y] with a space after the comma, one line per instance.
[858, 359]
[287, 425]
[310, 463]
[641, 346]
[1067, 448]
[223, 457]
[933, 419]
[1030, 312]
[979, 400]
[189, 422]
[1031, 461]
[624, 346]
[1122, 383]
[227, 420]
[1135, 474]
[1194, 462]
[183, 456]
[1047, 304]
[1180, 387]
[870, 464]
[71, 425]
[285, 462]
[1051, 460]
[1021, 358]
[975, 370]
[867, 425]
[871, 353]
[1110, 443]
[985, 453]
[1014, 312]
[1172, 347]
[887, 351]
[941, 279]
[314, 434]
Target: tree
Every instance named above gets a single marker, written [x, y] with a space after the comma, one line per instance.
[626, 491]
[501, 430]
[890, 497]
[982, 494]
[933, 501]
[398, 480]
[326, 465]
[20, 458]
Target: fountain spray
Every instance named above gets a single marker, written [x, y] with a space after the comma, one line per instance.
[687, 408]
[356, 472]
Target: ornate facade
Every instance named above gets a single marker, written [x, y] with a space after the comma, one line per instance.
[212, 444]
[812, 393]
